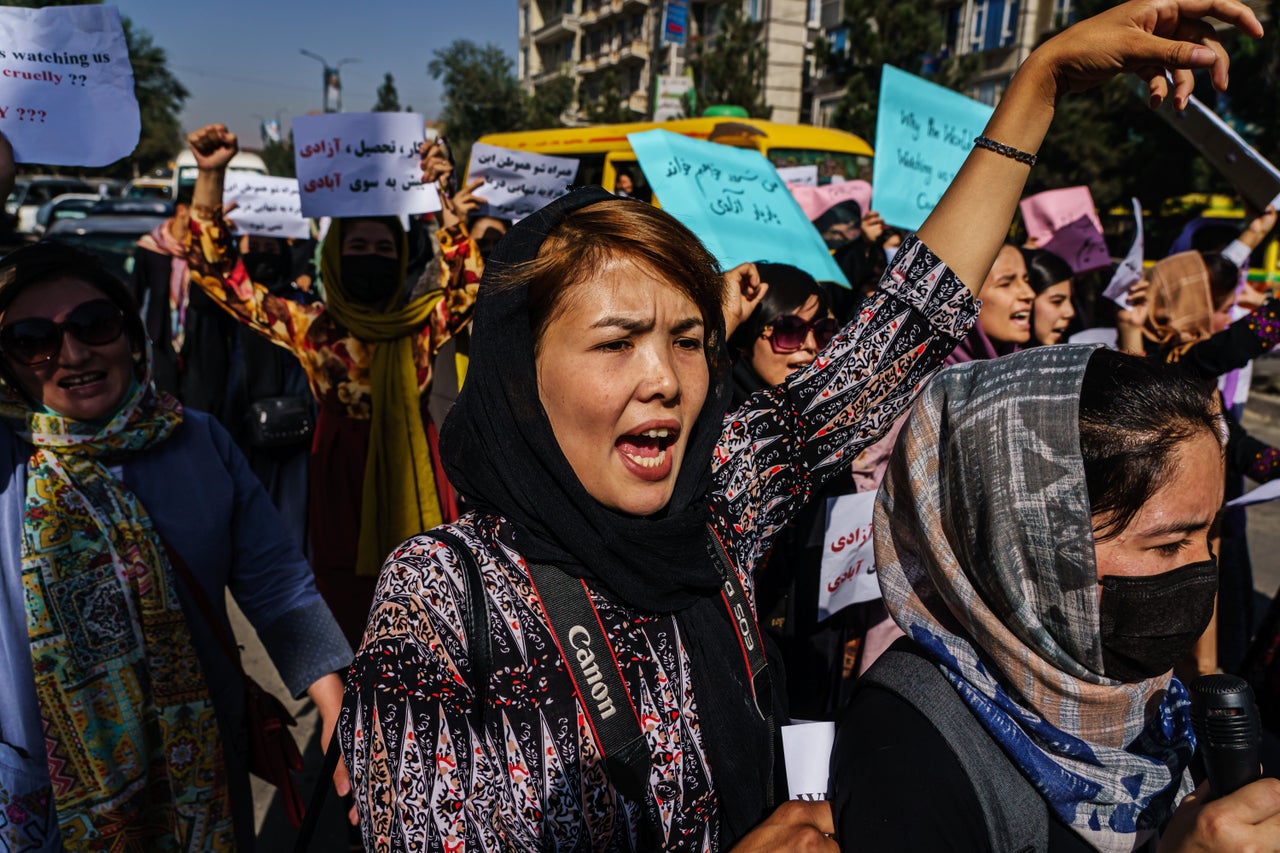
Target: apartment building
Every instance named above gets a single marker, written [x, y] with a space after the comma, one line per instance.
[589, 39]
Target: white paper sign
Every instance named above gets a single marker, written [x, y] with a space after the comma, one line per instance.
[799, 176]
[66, 86]
[806, 748]
[848, 574]
[1129, 272]
[1097, 335]
[516, 183]
[361, 164]
[1266, 492]
[265, 206]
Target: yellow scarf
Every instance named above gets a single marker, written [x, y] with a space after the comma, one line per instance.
[399, 498]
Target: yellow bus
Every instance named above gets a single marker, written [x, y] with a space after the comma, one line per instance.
[603, 152]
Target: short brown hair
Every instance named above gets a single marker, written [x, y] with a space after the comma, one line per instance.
[588, 238]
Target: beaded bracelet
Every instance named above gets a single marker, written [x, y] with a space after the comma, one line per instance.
[1006, 150]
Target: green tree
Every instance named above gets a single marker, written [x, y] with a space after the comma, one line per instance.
[388, 98]
[608, 106]
[481, 94]
[548, 103]
[729, 67]
[160, 99]
[907, 34]
[278, 156]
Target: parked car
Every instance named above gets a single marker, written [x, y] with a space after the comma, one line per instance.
[65, 206]
[113, 238]
[132, 207]
[31, 192]
[149, 188]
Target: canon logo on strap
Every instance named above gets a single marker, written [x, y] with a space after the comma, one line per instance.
[581, 642]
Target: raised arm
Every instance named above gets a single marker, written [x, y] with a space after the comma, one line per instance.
[214, 259]
[1146, 37]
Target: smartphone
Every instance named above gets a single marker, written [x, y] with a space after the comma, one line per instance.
[451, 182]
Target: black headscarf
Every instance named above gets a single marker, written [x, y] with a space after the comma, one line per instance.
[500, 452]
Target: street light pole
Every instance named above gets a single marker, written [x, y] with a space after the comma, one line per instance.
[332, 82]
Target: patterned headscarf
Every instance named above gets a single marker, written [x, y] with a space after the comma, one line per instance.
[1181, 312]
[133, 745]
[984, 544]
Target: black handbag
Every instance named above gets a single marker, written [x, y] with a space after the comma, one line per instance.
[280, 422]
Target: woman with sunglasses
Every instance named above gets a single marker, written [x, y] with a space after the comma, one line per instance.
[124, 520]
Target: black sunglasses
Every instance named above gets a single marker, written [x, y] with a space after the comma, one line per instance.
[36, 339]
[787, 332]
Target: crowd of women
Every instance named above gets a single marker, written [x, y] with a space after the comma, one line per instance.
[598, 607]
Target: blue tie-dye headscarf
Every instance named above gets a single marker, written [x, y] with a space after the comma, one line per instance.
[984, 545]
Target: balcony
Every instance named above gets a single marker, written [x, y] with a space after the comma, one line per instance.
[558, 27]
[634, 50]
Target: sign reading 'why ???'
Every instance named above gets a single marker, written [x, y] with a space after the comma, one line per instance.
[923, 134]
[66, 86]
[361, 164]
[734, 201]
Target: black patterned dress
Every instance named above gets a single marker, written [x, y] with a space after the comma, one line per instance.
[425, 780]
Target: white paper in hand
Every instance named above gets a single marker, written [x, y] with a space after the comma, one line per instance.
[848, 574]
[1262, 494]
[517, 183]
[66, 86]
[264, 206]
[1129, 272]
[806, 747]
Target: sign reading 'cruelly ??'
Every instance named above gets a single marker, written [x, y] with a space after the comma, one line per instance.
[66, 86]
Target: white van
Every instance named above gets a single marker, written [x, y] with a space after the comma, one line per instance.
[184, 168]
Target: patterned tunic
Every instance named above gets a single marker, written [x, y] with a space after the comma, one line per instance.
[425, 780]
[337, 363]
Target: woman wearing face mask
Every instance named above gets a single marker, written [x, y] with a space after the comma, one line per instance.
[1185, 319]
[126, 521]
[367, 351]
[1052, 312]
[614, 696]
[1004, 323]
[1043, 540]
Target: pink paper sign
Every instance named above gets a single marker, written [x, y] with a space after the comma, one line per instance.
[1066, 223]
[815, 201]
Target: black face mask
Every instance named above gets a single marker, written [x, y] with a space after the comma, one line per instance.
[1149, 623]
[266, 268]
[370, 278]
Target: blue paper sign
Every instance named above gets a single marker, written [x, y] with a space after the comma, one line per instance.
[675, 15]
[733, 199]
[923, 134]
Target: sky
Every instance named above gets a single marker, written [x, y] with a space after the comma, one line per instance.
[240, 59]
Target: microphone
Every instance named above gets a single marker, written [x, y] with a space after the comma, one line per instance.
[1228, 733]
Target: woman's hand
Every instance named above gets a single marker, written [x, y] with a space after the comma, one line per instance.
[743, 291]
[793, 826]
[1249, 819]
[466, 201]
[1147, 38]
[1258, 229]
[326, 692]
[1130, 321]
[213, 146]
[872, 226]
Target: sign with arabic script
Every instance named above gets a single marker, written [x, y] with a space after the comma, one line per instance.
[733, 199]
[516, 183]
[264, 206]
[361, 164]
[848, 574]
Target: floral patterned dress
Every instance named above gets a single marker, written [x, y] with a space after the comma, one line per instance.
[338, 366]
[533, 779]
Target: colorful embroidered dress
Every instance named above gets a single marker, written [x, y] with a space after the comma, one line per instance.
[424, 780]
[135, 755]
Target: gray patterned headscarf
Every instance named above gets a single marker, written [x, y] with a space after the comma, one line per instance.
[984, 544]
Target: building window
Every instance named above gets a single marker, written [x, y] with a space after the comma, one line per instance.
[992, 25]
[1063, 13]
[753, 9]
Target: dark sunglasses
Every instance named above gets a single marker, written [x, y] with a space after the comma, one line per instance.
[787, 332]
[36, 339]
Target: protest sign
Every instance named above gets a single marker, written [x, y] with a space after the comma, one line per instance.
[264, 206]
[815, 201]
[1266, 492]
[923, 134]
[361, 164]
[1251, 174]
[733, 199]
[1066, 223]
[806, 751]
[66, 86]
[799, 176]
[516, 183]
[1105, 335]
[1129, 272]
[848, 573]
